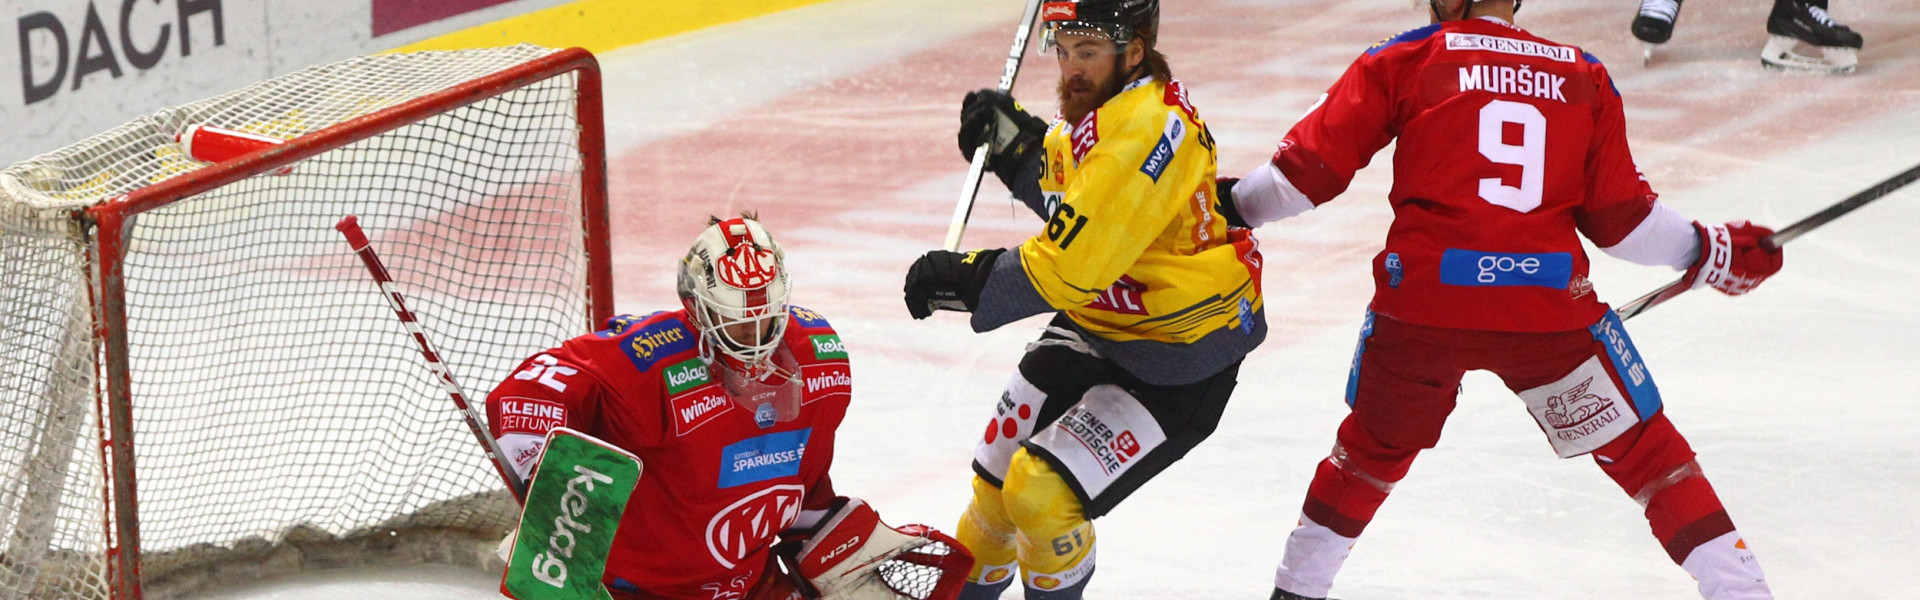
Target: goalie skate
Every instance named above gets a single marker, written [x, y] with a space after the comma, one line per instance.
[1653, 25]
[1798, 28]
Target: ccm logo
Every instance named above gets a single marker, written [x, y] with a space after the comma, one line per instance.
[850, 544]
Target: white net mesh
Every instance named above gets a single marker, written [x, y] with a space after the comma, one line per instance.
[281, 418]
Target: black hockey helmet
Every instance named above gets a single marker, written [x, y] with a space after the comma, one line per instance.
[1119, 20]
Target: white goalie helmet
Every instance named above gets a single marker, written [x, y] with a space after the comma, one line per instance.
[734, 285]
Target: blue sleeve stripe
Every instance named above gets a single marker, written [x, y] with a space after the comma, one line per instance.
[1413, 35]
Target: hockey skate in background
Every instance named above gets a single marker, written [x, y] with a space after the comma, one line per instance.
[1802, 35]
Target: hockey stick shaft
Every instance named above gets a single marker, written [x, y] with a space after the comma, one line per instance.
[1781, 237]
[350, 227]
[977, 169]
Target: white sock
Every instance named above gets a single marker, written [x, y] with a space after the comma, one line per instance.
[1314, 555]
[1727, 570]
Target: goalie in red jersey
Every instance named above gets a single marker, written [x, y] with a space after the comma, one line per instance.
[1510, 148]
[731, 403]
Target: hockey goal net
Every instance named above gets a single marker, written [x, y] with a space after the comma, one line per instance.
[200, 381]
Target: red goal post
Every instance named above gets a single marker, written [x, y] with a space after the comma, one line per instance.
[202, 322]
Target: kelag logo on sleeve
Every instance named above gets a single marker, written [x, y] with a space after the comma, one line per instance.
[763, 457]
[686, 375]
[828, 346]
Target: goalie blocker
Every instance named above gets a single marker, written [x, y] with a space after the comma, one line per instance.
[582, 486]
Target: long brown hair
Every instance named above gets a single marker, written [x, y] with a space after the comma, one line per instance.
[1155, 63]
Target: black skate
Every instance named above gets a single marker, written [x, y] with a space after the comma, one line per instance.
[1280, 594]
[1654, 24]
[1797, 22]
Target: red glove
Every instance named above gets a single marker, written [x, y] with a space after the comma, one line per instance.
[1731, 259]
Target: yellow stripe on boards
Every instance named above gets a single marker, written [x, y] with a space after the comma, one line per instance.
[602, 25]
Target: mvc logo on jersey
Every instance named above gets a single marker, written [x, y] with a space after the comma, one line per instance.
[1175, 133]
[1122, 297]
[1470, 268]
[764, 457]
[528, 415]
[686, 375]
[828, 347]
[740, 528]
[660, 340]
[827, 381]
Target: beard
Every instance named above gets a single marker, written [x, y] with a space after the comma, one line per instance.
[1079, 95]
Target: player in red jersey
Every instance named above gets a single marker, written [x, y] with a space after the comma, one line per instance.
[731, 404]
[1510, 147]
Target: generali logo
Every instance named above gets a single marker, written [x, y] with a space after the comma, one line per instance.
[1059, 11]
[1576, 412]
[738, 529]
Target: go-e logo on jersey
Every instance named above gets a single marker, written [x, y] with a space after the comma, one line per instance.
[764, 457]
[740, 528]
[1471, 268]
[686, 375]
[828, 346]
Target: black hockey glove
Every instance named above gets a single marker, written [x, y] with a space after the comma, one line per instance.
[993, 117]
[1223, 189]
[944, 280]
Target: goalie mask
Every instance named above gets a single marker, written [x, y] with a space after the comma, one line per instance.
[733, 283]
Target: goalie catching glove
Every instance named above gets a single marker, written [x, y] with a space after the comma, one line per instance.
[852, 555]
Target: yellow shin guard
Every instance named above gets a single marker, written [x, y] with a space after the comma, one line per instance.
[1055, 540]
[987, 532]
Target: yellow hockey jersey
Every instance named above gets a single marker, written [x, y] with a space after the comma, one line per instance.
[1134, 249]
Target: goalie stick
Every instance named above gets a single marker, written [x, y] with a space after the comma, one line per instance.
[350, 227]
[978, 168]
[1781, 237]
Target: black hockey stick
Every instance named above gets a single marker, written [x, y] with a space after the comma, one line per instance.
[1781, 237]
[978, 168]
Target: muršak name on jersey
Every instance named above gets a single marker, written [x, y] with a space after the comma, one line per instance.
[1521, 81]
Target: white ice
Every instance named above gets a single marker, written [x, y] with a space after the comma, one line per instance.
[1800, 399]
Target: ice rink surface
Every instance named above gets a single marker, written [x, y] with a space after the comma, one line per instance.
[835, 123]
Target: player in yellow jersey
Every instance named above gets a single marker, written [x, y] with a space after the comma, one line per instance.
[1155, 299]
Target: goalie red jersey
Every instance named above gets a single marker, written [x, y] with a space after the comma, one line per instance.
[721, 480]
[1520, 141]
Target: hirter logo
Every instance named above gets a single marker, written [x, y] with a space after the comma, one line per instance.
[737, 530]
[1059, 11]
[690, 412]
[1122, 297]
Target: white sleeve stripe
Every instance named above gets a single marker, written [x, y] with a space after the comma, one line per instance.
[1265, 196]
[1663, 238]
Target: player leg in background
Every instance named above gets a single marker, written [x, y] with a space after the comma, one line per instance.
[1591, 393]
[1401, 390]
[1795, 25]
